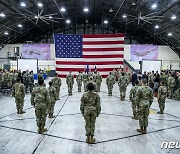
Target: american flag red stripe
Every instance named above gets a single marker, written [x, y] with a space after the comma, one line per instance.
[105, 51]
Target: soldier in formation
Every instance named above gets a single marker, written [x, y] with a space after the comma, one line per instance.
[162, 93]
[40, 100]
[53, 97]
[132, 98]
[110, 81]
[90, 108]
[79, 79]
[56, 83]
[98, 81]
[31, 81]
[171, 84]
[25, 80]
[85, 79]
[123, 82]
[70, 82]
[18, 91]
[144, 99]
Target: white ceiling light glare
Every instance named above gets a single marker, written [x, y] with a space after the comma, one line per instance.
[2, 15]
[111, 10]
[6, 33]
[63, 9]
[23, 4]
[173, 17]
[36, 17]
[157, 26]
[68, 21]
[20, 25]
[86, 9]
[124, 16]
[105, 22]
[40, 4]
[50, 17]
[154, 6]
[169, 34]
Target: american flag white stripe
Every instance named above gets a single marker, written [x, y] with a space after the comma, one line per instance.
[104, 53]
[104, 39]
[86, 60]
[92, 66]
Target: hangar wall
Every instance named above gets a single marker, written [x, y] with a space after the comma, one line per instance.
[165, 53]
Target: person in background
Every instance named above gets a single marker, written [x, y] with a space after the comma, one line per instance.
[110, 81]
[40, 100]
[144, 99]
[134, 78]
[132, 97]
[70, 82]
[18, 91]
[162, 93]
[56, 83]
[53, 97]
[90, 108]
[156, 84]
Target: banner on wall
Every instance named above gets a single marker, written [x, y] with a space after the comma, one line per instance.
[36, 51]
[140, 52]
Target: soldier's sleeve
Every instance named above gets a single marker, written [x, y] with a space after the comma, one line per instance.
[131, 95]
[13, 91]
[76, 77]
[151, 97]
[55, 94]
[159, 92]
[137, 98]
[119, 81]
[32, 98]
[47, 98]
[106, 80]
[23, 90]
[82, 105]
[114, 80]
[67, 79]
[98, 105]
[60, 82]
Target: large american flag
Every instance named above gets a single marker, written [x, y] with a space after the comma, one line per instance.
[101, 51]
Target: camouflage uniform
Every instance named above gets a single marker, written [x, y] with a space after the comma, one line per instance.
[15, 75]
[144, 99]
[162, 93]
[40, 76]
[31, 82]
[98, 81]
[18, 91]
[85, 80]
[110, 81]
[151, 80]
[53, 97]
[132, 97]
[95, 85]
[70, 82]
[171, 84]
[90, 109]
[114, 73]
[25, 81]
[177, 94]
[57, 84]
[79, 79]
[40, 100]
[123, 83]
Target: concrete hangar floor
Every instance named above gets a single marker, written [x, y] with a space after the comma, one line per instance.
[115, 130]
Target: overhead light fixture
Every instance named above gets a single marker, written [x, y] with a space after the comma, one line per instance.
[50, 17]
[19, 25]
[157, 26]
[23, 4]
[111, 10]
[173, 17]
[2, 15]
[6, 33]
[68, 21]
[86, 9]
[124, 16]
[36, 17]
[169, 34]
[63, 9]
[40, 4]
[133, 3]
[154, 6]
[105, 22]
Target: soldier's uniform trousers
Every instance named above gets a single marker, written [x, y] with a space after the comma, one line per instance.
[143, 115]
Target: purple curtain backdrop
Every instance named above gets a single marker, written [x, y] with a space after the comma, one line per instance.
[36, 51]
[139, 52]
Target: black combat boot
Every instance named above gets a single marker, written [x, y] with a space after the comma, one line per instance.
[141, 130]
